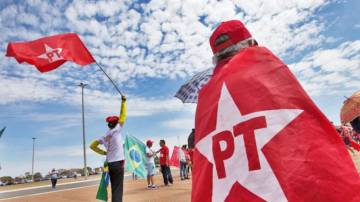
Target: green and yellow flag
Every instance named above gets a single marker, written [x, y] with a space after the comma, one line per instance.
[135, 157]
[102, 193]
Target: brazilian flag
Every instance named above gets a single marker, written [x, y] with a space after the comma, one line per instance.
[135, 157]
[102, 193]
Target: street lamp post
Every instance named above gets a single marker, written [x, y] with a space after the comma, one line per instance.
[82, 85]
[33, 157]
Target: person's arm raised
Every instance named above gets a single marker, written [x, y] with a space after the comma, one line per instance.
[122, 116]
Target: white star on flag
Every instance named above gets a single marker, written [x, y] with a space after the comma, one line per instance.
[260, 179]
[51, 54]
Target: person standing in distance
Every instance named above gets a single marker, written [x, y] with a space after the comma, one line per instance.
[182, 159]
[53, 176]
[113, 142]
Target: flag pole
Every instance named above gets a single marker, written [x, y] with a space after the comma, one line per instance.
[82, 85]
[118, 90]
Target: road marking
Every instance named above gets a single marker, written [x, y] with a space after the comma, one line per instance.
[38, 187]
[48, 192]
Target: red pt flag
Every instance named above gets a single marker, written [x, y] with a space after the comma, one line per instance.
[259, 137]
[48, 53]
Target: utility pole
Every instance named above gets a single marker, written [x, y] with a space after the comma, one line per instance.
[33, 157]
[82, 85]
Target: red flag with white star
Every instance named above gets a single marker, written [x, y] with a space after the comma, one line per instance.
[48, 53]
[259, 137]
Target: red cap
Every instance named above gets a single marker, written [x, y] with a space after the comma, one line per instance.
[111, 119]
[228, 33]
[149, 142]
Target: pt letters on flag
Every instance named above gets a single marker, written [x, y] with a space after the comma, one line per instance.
[48, 53]
[259, 137]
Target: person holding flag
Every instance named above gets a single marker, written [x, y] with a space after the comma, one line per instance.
[113, 142]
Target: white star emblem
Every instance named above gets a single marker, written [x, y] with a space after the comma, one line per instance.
[234, 149]
[51, 54]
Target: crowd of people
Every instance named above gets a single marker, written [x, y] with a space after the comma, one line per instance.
[113, 143]
[185, 161]
[350, 135]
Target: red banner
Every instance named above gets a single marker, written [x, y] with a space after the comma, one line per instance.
[259, 137]
[174, 160]
[48, 53]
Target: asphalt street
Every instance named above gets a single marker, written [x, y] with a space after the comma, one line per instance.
[46, 189]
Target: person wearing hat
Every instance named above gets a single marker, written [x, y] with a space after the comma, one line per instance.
[227, 40]
[150, 164]
[113, 143]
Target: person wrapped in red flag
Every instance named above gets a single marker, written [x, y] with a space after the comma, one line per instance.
[48, 53]
[259, 136]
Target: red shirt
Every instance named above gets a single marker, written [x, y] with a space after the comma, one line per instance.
[164, 155]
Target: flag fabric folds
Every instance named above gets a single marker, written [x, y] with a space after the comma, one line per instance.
[259, 137]
[102, 193]
[174, 160]
[2, 131]
[135, 158]
[50, 52]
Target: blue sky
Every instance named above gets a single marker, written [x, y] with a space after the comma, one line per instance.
[150, 48]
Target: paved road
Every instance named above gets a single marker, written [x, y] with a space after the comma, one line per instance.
[44, 189]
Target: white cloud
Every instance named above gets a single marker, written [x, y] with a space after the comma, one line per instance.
[180, 123]
[63, 151]
[27, 19]
[137, 106]
[172, 42]
[330, 71]
[16, 89]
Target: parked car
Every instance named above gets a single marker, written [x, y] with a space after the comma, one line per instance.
[9, 183]
[74, 175]
[2, 184]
